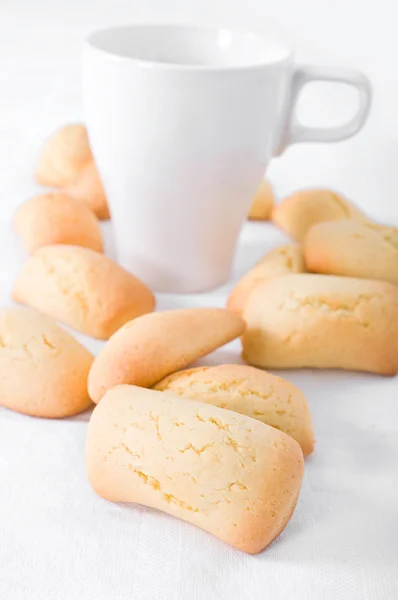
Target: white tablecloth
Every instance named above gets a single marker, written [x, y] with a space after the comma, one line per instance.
[58, 541]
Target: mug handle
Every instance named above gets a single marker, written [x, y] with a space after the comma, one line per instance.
[294, 132]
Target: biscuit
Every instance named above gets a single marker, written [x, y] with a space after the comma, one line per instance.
[250, 392]
[263, 203]
[43, 368]
[57, 219]
[323, 321]
[280, 261]
[230, 475]
[82, 288]
[151, 347]
[63, 156]
[88, 189]
[353, 249]
[300, 211]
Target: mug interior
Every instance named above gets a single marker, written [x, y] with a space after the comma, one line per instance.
[189, 46]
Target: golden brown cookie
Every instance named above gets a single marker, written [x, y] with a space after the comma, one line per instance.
[43, 368]
[88, 189]
[82, 288]
[57, 219]
[304, 209]
[151, 347]
[323, 321]
[63, 156]
[233, 476]
[353, 249]
[250, 392]
[263, 203]
[280, 261]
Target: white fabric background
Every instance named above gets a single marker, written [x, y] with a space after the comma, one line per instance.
[58, 541]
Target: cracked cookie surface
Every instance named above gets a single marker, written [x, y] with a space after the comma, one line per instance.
[240, 481]
[82, 288]
[323, 322]
[43, 369]
[248, 391]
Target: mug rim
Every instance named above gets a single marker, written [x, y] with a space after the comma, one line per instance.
[285, 52]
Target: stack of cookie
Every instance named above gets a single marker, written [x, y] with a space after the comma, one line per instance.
[328, 301]
[221, 447]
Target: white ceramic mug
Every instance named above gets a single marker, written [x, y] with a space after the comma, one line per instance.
[183, 121]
